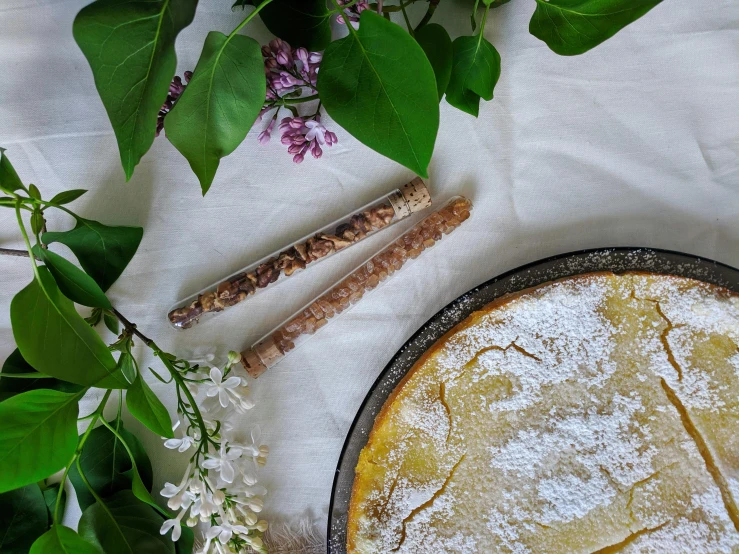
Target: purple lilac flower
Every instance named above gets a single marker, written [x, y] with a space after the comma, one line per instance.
[176, 88]
[301, 135]
[353, 12]
[288, 70]
[292, 73]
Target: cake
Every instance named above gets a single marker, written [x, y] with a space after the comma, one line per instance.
[595, 414]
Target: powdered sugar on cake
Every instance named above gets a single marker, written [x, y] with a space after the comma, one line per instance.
[577, 429]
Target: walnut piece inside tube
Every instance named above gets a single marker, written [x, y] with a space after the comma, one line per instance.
[295, 258]
[273, 348]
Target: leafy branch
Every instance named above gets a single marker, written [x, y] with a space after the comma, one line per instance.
[211, 116]
[60, 357]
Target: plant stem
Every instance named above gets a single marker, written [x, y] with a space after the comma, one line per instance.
[249, 18]
[344, 7]
[13, 252]
[300, 100]
[405, 16]
[95, 416]
[429, 13]
[25, 238]
[482, 25]
[131, 328]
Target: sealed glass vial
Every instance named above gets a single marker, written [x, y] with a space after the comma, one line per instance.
[350, 229]
[275, 345]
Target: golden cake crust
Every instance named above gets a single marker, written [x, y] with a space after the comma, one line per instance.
[365, 483]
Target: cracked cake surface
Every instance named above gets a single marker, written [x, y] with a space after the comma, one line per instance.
[596, 414]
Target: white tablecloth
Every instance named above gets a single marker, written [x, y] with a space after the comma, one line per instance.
[633, 143]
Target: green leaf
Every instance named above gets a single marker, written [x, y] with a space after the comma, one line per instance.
[437, 45]
[67, 196]
[127, 366]
[378, 85]
[10, 386]
[219, 105]
[34, 192]
[305, 23]
[23, 518]
[9, 180]
[571, 27]
[62, 540]
[124, 525]
[475, 71]
[111, 322]
[50, 496]
[95, 316]
[148, 409]
[103, 251]
[38, 433]
[74, 283]
[107, 466]
[55, 340]
[130, 48]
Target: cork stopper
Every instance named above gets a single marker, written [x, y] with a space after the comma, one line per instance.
[261, 357]
[413, 197]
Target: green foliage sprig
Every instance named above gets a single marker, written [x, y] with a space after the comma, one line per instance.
[380, 83]
[59, 358]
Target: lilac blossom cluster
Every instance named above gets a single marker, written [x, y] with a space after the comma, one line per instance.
[291, 74]
[301, 135]
[176, 88]
[291, 80]
[354, 10]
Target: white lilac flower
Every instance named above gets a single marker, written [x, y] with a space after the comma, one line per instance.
[257, 449]
[210, 534]
[180, 444]
[173, 524]
[178, 495]
[219, 487]
[221, 462]
[226, 390]
[204, 506]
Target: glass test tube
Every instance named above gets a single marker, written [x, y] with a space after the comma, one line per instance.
[273, 347]
[350, 229]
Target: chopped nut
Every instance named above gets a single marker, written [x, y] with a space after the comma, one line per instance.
[267, 273]
[318, 248]
[207, 301]
[338, 242]
[345, 231]
[302, 252]
[293, 266]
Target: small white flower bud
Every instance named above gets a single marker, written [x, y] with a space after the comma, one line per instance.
[218, 497]
[264, 450]
[262, 525]
[250, 518]
[256, 504]
[233, 357]
[192, 522]
[255, 542]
